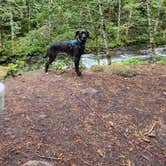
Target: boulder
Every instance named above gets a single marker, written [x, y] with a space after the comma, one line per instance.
[37, 163]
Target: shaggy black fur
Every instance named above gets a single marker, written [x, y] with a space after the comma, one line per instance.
[73, 47]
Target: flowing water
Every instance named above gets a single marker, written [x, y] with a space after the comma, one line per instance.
[89, 60]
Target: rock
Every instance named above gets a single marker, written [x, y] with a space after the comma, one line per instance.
[89, 90]
[43, 116]
[37, 163]
[2, 91]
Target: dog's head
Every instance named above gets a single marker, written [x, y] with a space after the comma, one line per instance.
[82, 35]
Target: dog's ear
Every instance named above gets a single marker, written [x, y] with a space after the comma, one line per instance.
[87, 33]
[76, 34]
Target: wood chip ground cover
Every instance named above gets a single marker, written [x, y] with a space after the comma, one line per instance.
[51, 118]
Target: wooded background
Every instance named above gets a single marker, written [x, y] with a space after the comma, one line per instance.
[28, 26]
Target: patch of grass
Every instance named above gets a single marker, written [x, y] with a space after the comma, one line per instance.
[61, 64]
[139, 61]
[97, 68]
[3, 72]
[123, 70]
[162, 60]
[135, 61]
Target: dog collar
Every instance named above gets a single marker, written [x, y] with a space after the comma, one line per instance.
[72, 42]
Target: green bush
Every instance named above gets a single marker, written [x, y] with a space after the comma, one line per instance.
[12, 70]
[34, 42]
[61, 63]
[16, 68]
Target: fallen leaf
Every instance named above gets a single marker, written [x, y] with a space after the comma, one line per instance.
[152, 134]
[111, 123]
[145, 139]
[100, 152]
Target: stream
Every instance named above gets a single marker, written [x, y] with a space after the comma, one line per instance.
[120, 55]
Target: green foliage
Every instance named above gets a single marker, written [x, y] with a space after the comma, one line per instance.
[3, 72]
[16, 68]
[36, 24]
[61, 64]
[135, 61]
[139, 61]
[34, 42]
[12, 70]
[161, 60]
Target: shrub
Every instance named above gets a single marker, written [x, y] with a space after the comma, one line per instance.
[61, 64]
[15, 68]
[34, 42]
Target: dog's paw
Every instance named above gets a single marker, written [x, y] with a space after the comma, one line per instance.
[79, 74]
[46, 73]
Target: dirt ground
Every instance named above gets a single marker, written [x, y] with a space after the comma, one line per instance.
[100, 119]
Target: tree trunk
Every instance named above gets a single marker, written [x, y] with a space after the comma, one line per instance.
[49, 19]
[95, 31]
[119, 19]
[151, 32]
[11, 24]
[128, 23]
[158, 15]
[29, 15]
[103, 29]
[164, 33]
[0, 33]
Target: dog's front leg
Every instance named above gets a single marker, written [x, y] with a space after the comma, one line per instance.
[76, 63]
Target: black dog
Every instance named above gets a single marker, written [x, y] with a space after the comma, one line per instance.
[73, 47]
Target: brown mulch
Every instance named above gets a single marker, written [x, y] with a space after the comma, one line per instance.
[99, 119]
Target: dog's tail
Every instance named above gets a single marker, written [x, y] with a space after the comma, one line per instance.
[46, 54]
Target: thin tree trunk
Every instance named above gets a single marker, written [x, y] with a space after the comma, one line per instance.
[119, 19]
[151, 32]
[164, 33]
[128, 24]
[11, 24]
[0, 33]
[95, 32]
[103, 30]
[29, 15]
[158, 15]
[49, 19]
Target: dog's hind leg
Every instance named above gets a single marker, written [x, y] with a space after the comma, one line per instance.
[49, 60]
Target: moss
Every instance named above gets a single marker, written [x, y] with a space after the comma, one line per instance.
[123, 70]
[97, 68]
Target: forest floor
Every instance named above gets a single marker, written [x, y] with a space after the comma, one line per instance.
[99, 119]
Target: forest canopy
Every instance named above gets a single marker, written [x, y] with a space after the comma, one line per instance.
[28, 26]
